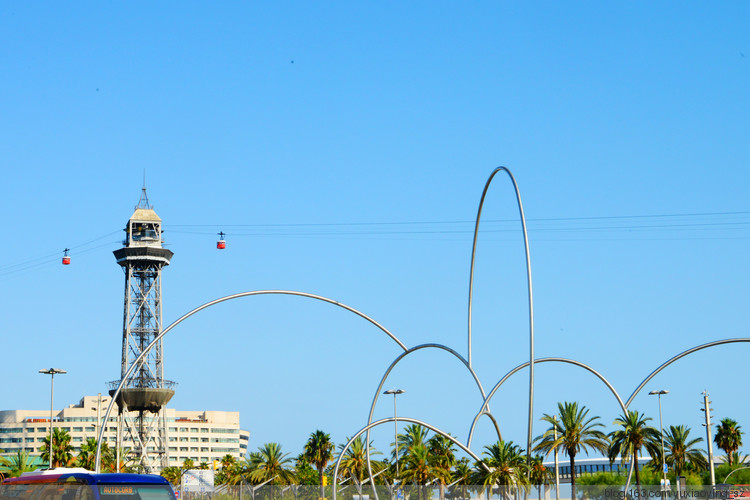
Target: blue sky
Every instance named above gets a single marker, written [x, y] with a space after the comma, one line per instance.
[343, 147]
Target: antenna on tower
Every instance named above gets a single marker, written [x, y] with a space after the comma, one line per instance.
[143, 201]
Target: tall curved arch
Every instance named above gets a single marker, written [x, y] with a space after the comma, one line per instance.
[137, 361]
[681, 355]
[393, 365]
[385, 421]
[528, 282]
[541, 360]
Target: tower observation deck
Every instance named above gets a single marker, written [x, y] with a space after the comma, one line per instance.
[142, 400]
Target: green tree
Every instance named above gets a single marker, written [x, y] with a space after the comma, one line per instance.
[269, 463]
[87, 456]
[62, 454]
[305, 473]
[173, 474]
[633, 435]
[228, 465]
[240, 472]
[728, 437]
[680, 451]
[318, 452]
[354, 461]
[419, 468]
[414, 435]
[575, 432]
[128, 462]
[17, 464]
[503, 464]
[442, 453]
[538, 474]
[461, 475]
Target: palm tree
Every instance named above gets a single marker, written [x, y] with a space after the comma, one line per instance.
[17, 464]
[420, 469]
[462, 476]
[319, 451]
[269, 463]
[62, 449]
[728, 437]
[127, 463]
[575, 432]
[504, 464]
[441, 451]
[413, 435]
[680, 452]
[354, 462]
[240, 472]
[628, 441]
[87, 456]
[538, 474]
[228, 463]
[173, 474]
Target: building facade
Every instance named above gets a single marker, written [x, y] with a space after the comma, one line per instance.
[202, 436]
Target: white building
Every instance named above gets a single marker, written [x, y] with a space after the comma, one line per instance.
[202, 436]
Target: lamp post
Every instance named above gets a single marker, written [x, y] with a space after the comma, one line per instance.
[395, 393]
[659, 393]
[52, 372]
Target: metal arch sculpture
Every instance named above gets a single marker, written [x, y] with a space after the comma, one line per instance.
[528, 282]
[395, 419]
[542, 360]
[385, 377]
[136, 362]
[681, 355]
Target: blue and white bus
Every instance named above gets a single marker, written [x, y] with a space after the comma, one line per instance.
[81, 484]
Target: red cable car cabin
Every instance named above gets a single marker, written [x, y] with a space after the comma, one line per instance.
[66, 258]
[221, 244]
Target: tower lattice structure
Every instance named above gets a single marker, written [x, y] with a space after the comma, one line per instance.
[143, 398]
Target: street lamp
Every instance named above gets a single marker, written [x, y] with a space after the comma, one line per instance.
[661, 431]
[52, 372]
[395, 393]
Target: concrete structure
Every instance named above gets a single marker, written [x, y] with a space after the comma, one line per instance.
[202, 436]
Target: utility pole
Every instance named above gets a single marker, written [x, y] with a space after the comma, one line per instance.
[557, 465]
[709, 442]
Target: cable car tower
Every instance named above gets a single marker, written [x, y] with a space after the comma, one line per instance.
[142, 401]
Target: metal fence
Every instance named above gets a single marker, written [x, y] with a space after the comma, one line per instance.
[472, 492]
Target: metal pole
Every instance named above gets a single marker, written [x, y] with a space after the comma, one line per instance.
[557, 465]
[51, 412]
[51, 372]
[659, 393]
[706, 402]
[395, 393]
[395, 430]
[663, 458]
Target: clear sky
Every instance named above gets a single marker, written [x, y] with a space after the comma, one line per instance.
[343, 147]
